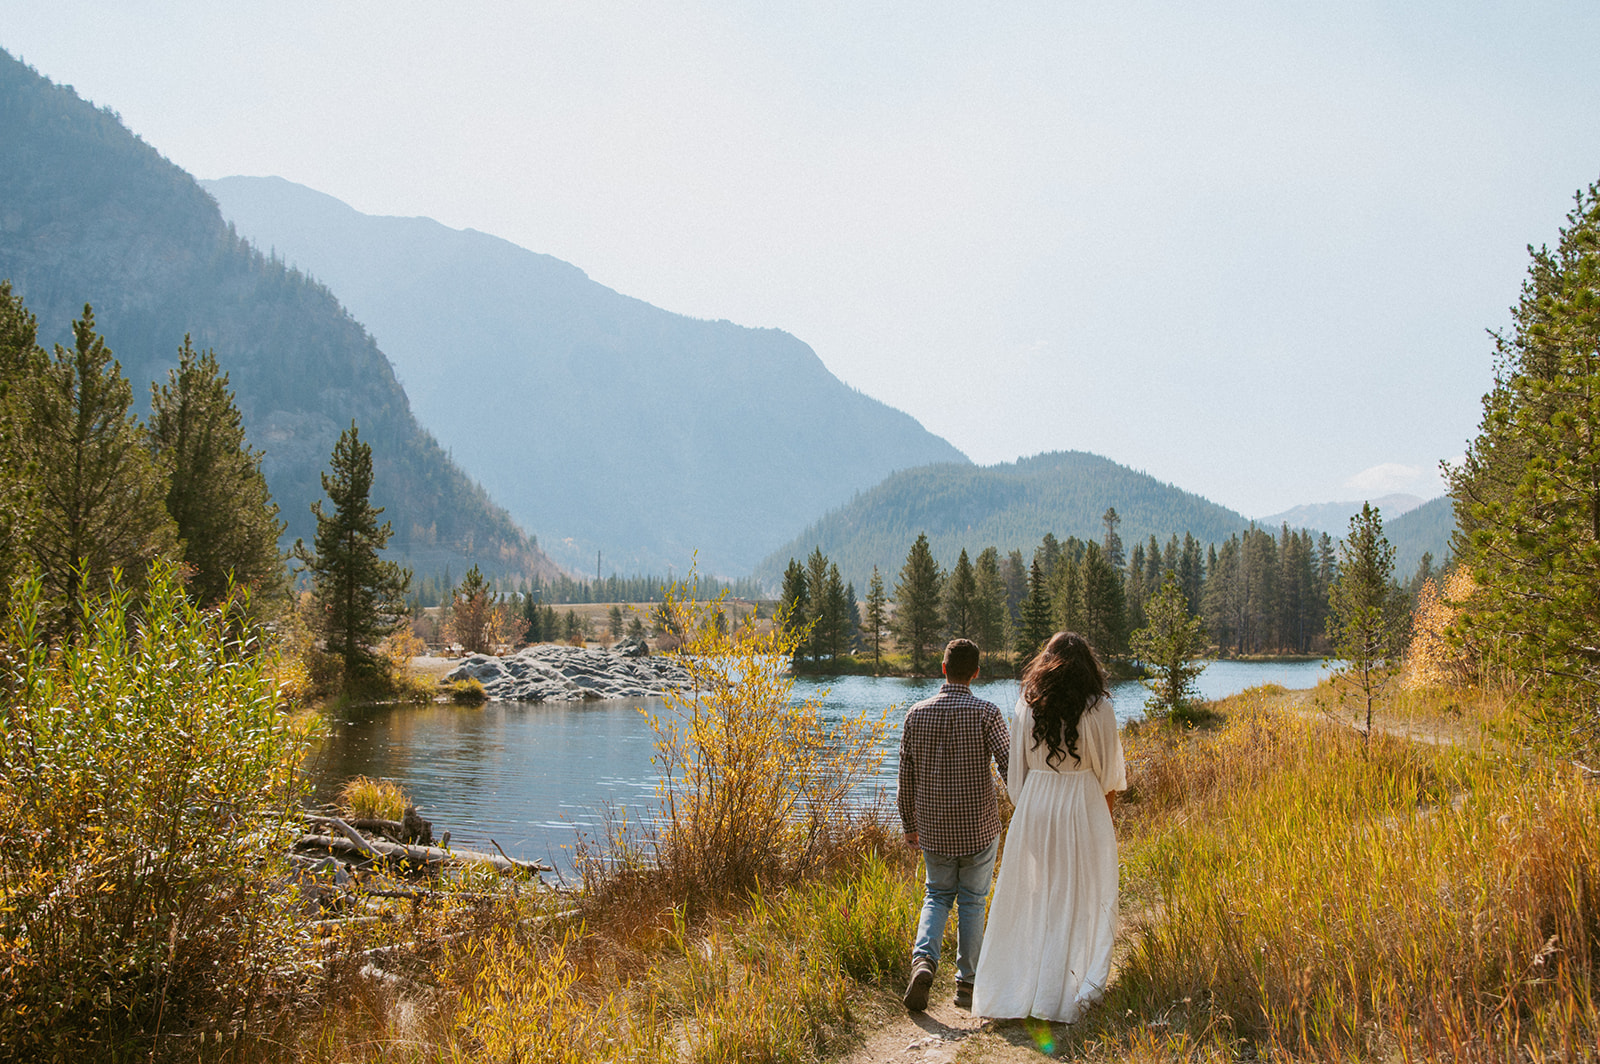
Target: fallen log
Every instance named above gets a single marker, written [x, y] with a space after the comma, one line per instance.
[353, 841]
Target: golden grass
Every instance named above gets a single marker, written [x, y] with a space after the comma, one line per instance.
[369, 798]
[1293, 888]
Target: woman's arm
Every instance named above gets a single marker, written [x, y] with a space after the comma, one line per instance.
[1111, 801]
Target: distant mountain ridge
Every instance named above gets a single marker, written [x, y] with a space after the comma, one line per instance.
[1009, 506]
[1334, 517]
[89, 213]
[601, 422]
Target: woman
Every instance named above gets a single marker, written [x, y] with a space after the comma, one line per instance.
[1047, 948]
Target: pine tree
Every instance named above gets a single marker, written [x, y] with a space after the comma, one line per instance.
[1367, 610]
[917, 618]
[989, 628]
[836, 613]
[615, 619]
[1112, 543]
[1527, 496]
[22, 362]
[876, 622]
[794, 608]
[822, 614]
[1168, 646]
[1016, 577]
[226, 520]
[961, 600]
[1101, 606]
[472, 614]
[852, 636]
[1036, 625]
[357, 598]
[98, 497]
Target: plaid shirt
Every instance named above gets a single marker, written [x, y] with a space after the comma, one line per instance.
[946, 794]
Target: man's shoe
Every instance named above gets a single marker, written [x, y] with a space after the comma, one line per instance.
[963, 995]
[916, 998]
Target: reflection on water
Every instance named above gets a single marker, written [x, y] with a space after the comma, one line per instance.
[530, 777]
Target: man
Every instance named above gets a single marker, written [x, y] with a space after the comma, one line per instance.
[948, 808]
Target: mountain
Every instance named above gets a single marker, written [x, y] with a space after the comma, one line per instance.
[1009, 506]
[1427, 528]
[89, 213]
[1334, 517]
[601, 422]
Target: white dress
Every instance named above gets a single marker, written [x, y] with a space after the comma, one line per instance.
[1047, 947]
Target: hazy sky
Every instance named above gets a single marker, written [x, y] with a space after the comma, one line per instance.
[1249, 248]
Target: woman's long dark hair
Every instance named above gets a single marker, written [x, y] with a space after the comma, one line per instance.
[1060, 683]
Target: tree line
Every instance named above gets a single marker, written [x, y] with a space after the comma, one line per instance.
[1256, 592]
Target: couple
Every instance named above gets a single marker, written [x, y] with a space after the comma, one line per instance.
[1048, 948]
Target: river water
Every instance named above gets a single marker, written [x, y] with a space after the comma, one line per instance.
[531, 777]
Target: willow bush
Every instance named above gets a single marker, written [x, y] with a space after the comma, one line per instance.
[756, 786]
[140, 770]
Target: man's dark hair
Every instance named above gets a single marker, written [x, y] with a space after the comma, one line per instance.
[960, 659]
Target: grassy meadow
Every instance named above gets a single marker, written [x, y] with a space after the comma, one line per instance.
[1292, 889]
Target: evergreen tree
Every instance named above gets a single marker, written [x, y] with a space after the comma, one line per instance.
[1036, 625]
[1101, 606]
[357, 597]
[822, 615]
[616, 622]
[635, 628]
[1527, 496]
[1016, 577]
[989, 627]
[22, 362]
[98, 498]
[1367, 612]
[1066, 591]
[961, 600]
[472, 614]
[1049, 554]
[1168, 646]
[834, 617]
[917, 616]
[852, 633]
[794, 608]
[1112, 543]
[226, 520]
[877, 619]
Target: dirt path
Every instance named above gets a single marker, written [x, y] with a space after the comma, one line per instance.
[945, 1034]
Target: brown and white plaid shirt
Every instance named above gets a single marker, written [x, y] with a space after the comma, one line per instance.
[946, 794]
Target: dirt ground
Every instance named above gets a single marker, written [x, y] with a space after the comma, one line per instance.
[945, 1034]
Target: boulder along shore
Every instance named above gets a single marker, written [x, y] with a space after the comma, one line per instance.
[549, 672]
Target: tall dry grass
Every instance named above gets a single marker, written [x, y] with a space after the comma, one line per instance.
[1295, 893]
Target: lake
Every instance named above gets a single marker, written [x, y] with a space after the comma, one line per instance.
[532, 776]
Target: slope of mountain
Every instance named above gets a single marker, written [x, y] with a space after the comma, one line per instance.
[89, 213]
[1009, 506]
[601, 422]
[1427, 528]
[1334, 517]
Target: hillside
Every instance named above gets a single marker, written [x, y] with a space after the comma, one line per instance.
[601, 422]
[1426, 528]
[1010, 506]
[91, 213]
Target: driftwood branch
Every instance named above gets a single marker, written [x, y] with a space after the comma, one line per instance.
[349, 841]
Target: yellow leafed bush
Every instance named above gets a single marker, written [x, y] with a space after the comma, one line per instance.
[366, 797]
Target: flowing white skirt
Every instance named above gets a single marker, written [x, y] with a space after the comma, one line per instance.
[1047, 947]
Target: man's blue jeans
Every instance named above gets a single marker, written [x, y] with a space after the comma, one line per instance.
[964, 883]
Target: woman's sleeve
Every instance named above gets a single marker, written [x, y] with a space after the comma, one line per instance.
[1021, 739]
[1113, 770]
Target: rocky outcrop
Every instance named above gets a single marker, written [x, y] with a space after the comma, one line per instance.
[551, 673]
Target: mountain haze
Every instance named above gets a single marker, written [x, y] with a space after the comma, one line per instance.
[89, 213]
[1009, 506]
[601, 422]
[1334, 517]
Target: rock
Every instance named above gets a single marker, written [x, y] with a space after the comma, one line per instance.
[549, 672]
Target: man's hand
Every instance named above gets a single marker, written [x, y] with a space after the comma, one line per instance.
[911, 839]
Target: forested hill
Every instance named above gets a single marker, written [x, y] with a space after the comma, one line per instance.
[89, 213]
[602, 422]
[1009, 506]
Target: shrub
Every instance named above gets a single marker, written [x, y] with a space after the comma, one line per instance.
[467, 691]
[755, 787]
[139, 770]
